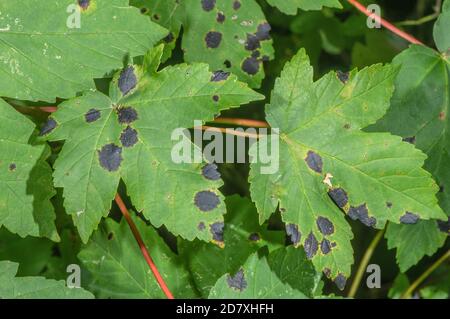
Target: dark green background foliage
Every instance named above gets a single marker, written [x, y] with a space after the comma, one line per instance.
[248, 240]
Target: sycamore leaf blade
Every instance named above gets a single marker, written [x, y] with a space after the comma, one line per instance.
[43, 60]
[291, 6]
[34, 287]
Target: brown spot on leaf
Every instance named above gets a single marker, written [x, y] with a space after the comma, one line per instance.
[263, 32]
[342, 76]
[311, 246]
[250, 66]
[110, 157]
[219, 76]
[209, 171]
[127, 80]
[325, 226]
[361, 213]
[252, 42]
[201, 226]
[217, 231]
[388, 204]
[48, 127]
[327, 272]
[206, 201]
[442, 116]
[314, 161]
[409, 218]
[216, 98]
[339, 196]
[213, 39]
[208, 5]
[238, 281]
[227, 64]
[254, 237]
[84, 4]
[293, 233]
[325, 246]
[129, 137]
[220, 17]
[12, 167]
[127, 115]
[236, 5]
[92, 115]
[340, 281]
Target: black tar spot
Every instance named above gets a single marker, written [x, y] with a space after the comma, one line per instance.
[250, 66]
[110, 157]
[201, 226]
[325, 226]
[129, 137]
[362, 214]
[238, 281]
[388, 204]
[92, 115]
[311, 246]
[325, 246]
[49, 126]
[339, 196]
[411, 140]
[156, 16]
[127, 80]
[340, 281]
[12, 167]
[217, 231]
[209, 171]
[220, 76]
[127, 115]
[213, 39]
[252, 42]
[256, 54]
[220, 17]
[208, 5]
[444, 226]
[293, 233]
[343, 76]
[227, 64]
[111, 236]
[84, 4]
[236, 5]
[144, 10]
[206, 200]
[263, 32]
[254, 237]
[215, 98]
[409, 218]
[169, 38]
[314, 161]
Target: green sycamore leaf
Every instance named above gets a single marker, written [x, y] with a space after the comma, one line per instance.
[292, 6]
[242, 236]
[413, 242]
[13, 287]
[55, 48]
[327, 163]
[292, 267]
[254, 280]
[229, 35]
[118, 270]
[25, 179]
[129, 136]
[420, 114]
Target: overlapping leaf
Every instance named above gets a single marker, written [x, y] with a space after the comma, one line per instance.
[292, 6]
[327, 163]
[55, 48]
[254, 280]
[34, 287]
[25, 179]
[128, 135]
[229, 35]
[420, 113]
[118, 270]
[242, 236]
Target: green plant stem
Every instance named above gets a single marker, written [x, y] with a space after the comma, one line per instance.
[420, 21]
[408, 292]
[363, 264]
